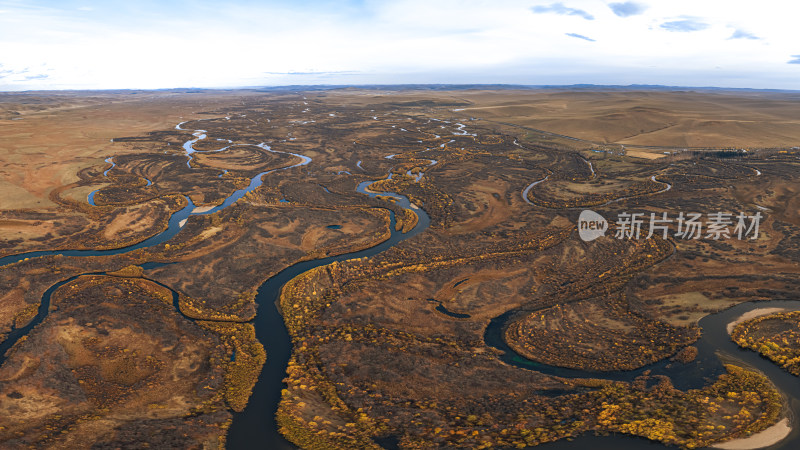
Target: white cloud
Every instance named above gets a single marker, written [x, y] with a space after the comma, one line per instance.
[580, 36]
[150, 44]
[741, 34]
[560, 8]
[684, 25]
[627, 9]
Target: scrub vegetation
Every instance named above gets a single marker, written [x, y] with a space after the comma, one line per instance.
[157, 346]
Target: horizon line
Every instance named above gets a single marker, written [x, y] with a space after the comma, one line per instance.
[421, 86]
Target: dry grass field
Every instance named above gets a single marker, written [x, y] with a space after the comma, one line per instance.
[50, 140]
[638, 119]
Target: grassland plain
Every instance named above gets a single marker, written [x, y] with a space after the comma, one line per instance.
[373, 356]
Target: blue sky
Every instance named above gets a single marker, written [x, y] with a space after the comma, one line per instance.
[193, 43]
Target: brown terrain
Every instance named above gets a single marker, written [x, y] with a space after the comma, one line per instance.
[641, 119]
[394, 346]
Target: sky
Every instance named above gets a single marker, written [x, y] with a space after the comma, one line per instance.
[146, 44]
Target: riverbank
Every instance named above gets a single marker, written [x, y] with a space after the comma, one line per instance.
[752, 315]
[770, 436]
[773, 434]
[202, 209]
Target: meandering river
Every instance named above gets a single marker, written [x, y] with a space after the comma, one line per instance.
[255, 427]
[714, 347]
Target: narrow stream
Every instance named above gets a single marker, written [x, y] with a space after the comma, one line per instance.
[175, 224]
[528, 189]
[667, 187]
